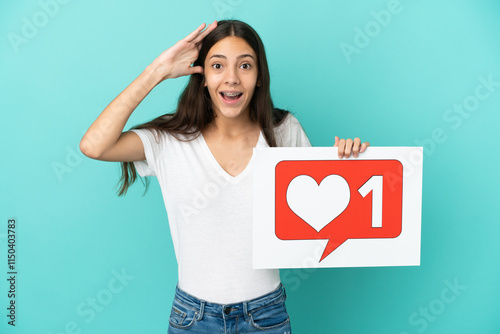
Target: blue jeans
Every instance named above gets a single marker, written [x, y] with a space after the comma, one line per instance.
[266, 314]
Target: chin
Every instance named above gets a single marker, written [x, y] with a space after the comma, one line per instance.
[231, 113]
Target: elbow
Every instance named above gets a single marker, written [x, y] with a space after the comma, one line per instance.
[87, 149]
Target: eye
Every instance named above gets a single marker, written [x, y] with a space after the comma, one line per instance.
[246, 66]
[217, 66]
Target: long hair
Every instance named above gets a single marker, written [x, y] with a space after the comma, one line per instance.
[194, 110]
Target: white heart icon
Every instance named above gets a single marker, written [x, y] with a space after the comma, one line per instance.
[317, 204]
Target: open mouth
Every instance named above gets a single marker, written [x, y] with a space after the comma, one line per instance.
[231, 96]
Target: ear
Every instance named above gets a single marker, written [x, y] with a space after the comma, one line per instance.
[258, 83]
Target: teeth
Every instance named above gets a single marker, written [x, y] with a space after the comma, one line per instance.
[231, 94]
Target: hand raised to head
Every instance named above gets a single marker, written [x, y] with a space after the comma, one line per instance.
[176, 61]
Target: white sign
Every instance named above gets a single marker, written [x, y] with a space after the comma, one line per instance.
[312, 209]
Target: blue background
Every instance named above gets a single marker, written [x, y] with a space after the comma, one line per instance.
[74, 234]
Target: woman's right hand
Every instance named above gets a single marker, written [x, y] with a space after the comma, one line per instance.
[176, 61]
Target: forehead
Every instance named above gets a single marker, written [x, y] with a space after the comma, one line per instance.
[231, 46]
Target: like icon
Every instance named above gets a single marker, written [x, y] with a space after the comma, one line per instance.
[338, 200]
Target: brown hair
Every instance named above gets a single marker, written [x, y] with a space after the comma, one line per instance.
[194, 110]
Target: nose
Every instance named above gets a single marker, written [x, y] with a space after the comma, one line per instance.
[231, 76]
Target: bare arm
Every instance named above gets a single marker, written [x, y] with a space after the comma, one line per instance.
[104, 140]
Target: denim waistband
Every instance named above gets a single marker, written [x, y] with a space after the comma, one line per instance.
[229, 310]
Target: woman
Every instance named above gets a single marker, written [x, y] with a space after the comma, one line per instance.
[201, 156]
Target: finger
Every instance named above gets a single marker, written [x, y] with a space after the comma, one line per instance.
[207, 31]
[341, 148]
[336, 142]
[364, 146]
[355, 148]
[196, 69]
[348, 148]
[195, 33]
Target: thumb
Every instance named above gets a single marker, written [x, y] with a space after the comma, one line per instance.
[196, 69]
[336, 142]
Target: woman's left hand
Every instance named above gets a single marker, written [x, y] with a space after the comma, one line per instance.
[348, 146]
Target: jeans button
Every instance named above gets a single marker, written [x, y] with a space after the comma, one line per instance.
[227, 310]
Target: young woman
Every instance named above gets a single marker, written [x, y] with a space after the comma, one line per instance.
[201, 155]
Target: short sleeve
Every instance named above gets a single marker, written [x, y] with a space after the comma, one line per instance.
[291, 134]
[301, 138]
[147, 167]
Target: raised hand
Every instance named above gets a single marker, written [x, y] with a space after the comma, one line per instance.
[176, 61]
[345, 147]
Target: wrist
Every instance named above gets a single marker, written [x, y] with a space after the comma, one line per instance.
[157, 72]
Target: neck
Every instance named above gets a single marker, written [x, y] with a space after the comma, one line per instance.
[233, 127]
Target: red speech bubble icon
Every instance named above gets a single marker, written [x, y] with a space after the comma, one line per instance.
[338, 200]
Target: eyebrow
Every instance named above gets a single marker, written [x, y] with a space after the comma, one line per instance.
[240, 56]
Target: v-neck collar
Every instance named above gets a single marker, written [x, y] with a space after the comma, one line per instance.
[261, 142]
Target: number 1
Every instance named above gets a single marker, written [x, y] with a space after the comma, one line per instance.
[374, 185]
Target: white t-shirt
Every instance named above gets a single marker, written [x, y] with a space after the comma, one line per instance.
[210, 214]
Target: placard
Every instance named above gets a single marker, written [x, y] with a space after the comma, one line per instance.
[312, 209]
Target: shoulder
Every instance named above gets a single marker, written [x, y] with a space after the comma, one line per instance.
[150, 134]
[161, 130]
[290, 133]
[288, 123]
[163, 137]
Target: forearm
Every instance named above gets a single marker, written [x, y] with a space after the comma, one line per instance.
[107, 128]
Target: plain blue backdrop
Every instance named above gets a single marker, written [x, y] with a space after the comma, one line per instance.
[396, 73]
